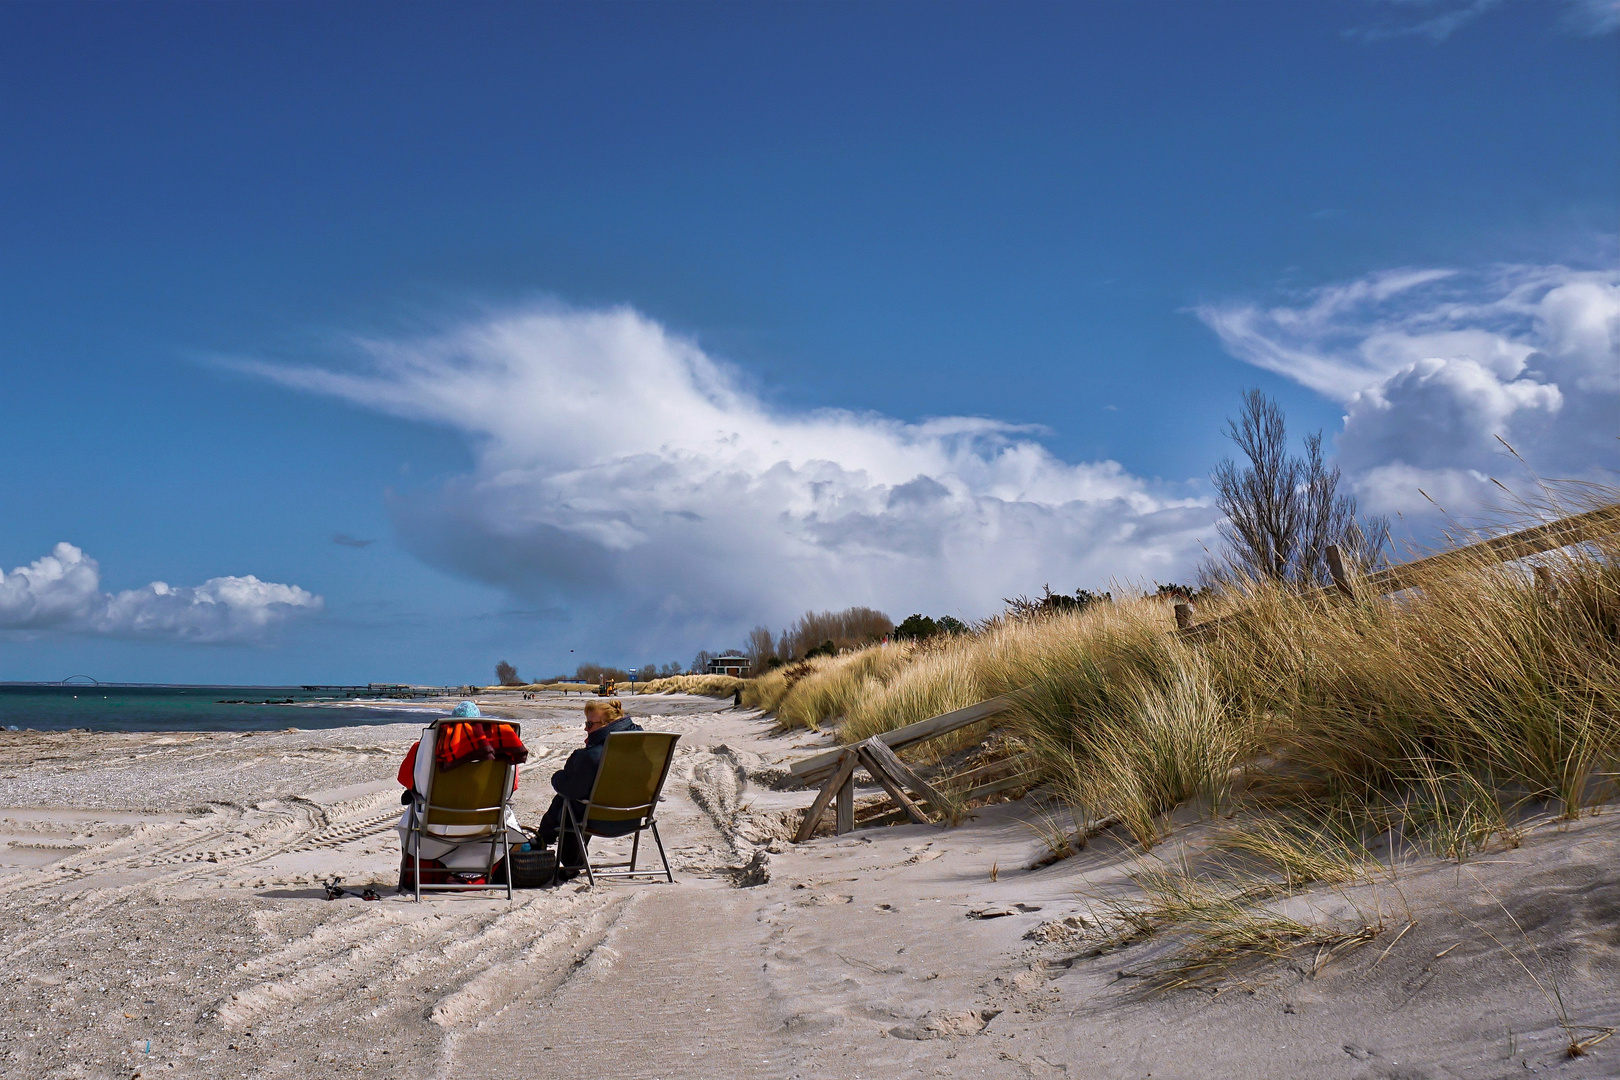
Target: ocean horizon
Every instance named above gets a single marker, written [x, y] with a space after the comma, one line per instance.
[181, 707]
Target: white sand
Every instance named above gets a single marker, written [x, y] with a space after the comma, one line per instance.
[163, 890]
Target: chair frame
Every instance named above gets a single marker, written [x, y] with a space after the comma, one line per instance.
[424, 804]
[580, 826]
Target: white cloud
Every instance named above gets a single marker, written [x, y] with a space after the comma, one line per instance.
[1440, 22]
[617, 462]
[1592, 17]
[1437, 20]
[1433, 366]
[62, 591]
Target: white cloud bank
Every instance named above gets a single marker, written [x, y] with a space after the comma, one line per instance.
[1434, 365]
[62, 591]
[616, 462]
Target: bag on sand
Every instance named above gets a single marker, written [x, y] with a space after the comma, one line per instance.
[434, 872]
[532, 869]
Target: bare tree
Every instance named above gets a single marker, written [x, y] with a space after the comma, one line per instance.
[1283, 512]
[850, 628]
[761, 648]
[1259, 502]
[507, 675]
[593, 672]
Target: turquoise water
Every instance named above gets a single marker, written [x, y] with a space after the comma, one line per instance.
[186, 708]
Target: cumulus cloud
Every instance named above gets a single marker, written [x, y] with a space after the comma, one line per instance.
[62, 591]
[618, 461]
[1434, 366]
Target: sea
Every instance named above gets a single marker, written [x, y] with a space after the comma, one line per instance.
[55, 707]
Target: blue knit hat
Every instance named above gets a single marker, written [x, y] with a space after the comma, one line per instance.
[466, 708]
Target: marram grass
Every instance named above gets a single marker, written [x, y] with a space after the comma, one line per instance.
[1439, 713]
[709, 685]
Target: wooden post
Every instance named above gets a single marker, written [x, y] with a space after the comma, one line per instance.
[814, 769]
[891, 785]
[1341, 579]
[835, 785]
[844, 813]
[889, 762]
[1184, 614]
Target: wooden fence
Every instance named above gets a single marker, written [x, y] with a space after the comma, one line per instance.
[835, 769]
[1576, 529]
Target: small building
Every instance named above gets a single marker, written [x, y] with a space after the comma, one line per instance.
[729, 664]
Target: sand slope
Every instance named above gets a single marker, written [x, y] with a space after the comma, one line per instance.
[162, 891]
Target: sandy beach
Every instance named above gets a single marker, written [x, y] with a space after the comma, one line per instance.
[164, 917]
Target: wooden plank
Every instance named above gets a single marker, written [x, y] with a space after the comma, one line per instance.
[1021, 780]
[879, 751]
[1017, 763]
[1577, 529]
[887, 817]
[812, 817]
[844, 814]
[890, 783]
[896, 817]
[811, 770]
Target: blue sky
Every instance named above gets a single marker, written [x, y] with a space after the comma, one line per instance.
[622, 328]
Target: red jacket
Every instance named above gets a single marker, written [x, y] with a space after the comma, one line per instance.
[460, 743]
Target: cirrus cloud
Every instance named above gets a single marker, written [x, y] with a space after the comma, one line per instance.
[623, 471]
[62, 592]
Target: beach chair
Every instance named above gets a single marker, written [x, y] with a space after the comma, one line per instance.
[467, 805]
[624, 799]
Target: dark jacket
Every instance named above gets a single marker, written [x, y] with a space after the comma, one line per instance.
[578, 774]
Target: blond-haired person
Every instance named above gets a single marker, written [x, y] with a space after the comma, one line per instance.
[573, 782]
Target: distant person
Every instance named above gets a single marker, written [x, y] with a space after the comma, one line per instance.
[573, 783]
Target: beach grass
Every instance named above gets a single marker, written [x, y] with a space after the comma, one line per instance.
[1440, 716]
[706, 685]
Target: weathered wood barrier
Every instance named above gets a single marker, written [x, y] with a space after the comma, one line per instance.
[835, 770]
[1565, 532]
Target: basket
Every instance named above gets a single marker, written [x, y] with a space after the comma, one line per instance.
[532, 869]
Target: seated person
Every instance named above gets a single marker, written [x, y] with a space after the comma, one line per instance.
[573, 783]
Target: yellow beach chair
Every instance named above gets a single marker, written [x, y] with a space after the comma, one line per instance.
[624, 800]
[464, 820]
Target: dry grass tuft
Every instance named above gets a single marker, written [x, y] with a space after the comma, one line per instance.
[708, 685]
[1219, 929]
[1305, 850]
